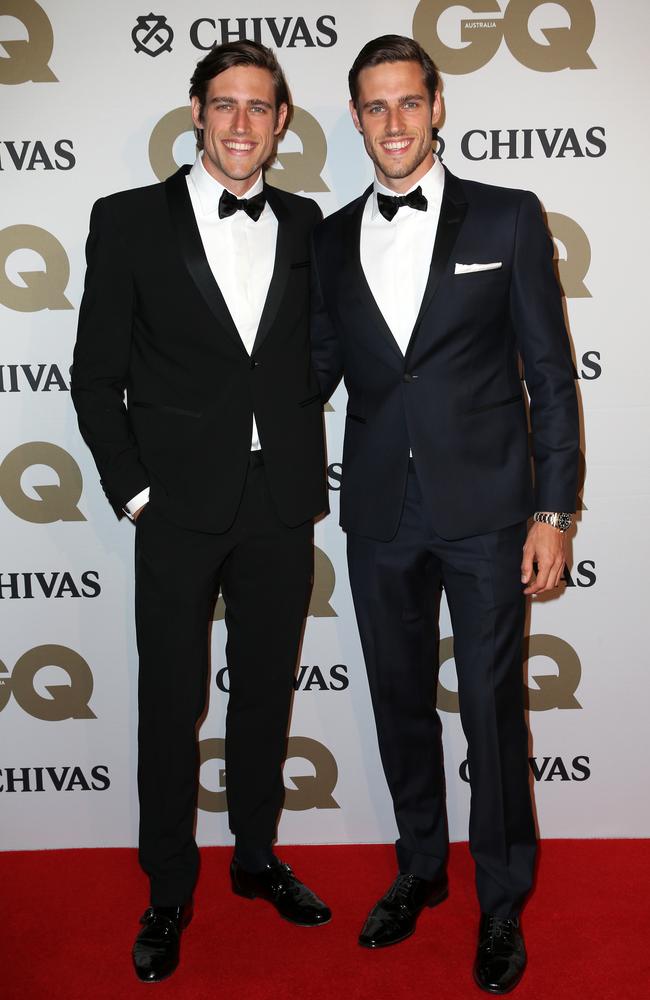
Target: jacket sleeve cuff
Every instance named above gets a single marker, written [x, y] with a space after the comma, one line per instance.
[138, 501]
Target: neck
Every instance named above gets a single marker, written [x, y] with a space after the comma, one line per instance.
[240, 188]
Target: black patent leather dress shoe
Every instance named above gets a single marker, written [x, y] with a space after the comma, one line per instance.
[157, 947]
[277, 884]
[394, 917]
[501, 954]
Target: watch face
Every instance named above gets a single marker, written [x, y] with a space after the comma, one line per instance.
[564, 521]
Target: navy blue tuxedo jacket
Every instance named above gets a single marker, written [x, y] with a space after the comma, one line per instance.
[455, 399]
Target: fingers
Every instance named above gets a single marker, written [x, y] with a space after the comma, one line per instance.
[544, 552]
[548, 577]
[527, 564]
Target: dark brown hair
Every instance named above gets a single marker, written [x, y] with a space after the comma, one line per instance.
[393, 48]
[241, 53]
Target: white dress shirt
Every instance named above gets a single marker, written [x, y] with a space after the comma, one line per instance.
[241, 255]
[396, 255]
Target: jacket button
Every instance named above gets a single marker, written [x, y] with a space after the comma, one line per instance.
[254, 364]
[409, 378]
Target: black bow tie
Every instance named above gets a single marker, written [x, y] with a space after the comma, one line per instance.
[253, 207]
[389, 205]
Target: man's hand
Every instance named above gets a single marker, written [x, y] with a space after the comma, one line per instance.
[545, 546]
[138, 512]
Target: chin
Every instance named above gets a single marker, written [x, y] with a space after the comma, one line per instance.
[398, 171]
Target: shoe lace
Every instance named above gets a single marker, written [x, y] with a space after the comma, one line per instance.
[498, 931]
[400, 889]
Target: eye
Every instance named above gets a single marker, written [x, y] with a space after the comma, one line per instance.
[375, 109]
[259, 109]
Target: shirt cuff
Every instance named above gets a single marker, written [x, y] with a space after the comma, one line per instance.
[138, 501]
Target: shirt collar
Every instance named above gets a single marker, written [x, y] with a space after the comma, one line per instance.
[209, 190]
[432, 185]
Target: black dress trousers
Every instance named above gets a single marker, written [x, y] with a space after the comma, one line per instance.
[396, 587]
[264, 569]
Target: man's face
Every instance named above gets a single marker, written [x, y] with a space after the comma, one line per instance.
[239, 123]
[395, 118]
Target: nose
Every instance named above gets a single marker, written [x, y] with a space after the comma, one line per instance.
[395, 123]
[240, 120]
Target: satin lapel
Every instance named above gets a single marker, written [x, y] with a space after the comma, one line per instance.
[281, 266]
[371, 311]
[191, 246]
[452, 215]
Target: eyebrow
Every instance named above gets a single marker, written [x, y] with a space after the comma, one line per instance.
[257, 101]
[400, 100]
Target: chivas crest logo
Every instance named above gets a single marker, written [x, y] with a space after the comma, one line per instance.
[152, 35]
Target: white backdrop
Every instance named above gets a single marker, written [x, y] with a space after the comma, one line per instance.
[546, 96]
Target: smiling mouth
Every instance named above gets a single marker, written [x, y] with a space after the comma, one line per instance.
[396, 146]
[238, 147]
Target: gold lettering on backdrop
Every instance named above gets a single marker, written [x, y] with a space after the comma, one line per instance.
[57, 501]
[566, 48]
[324, 583]
[27, 58]
[302, 171]
[65, 701]
[552, 691]
[161, 144]
[41, 289]
[313, 791]
[572, 269]
[480, 38]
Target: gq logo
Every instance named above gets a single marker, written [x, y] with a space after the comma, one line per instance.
[152, 35]
[28, 59]
[40, 289]
[56, 501]
[299, 171]
[65, 701]
[566, 48]
[322, 590]
[572, 269]
[309, 791]
[552, 691]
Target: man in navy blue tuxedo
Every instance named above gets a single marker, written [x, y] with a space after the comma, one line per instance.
[427, 290]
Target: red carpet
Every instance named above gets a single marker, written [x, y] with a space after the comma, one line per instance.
[69, 918]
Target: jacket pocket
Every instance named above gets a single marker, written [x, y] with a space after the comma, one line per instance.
[494, 406]
[300, 263]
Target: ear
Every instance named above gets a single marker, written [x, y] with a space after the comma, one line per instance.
[283, 111]
[196, 113]
[355, 117]
[436, 110]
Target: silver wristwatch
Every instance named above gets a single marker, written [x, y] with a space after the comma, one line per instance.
[556, 519]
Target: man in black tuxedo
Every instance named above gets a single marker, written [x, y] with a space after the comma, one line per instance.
[426, 290]
[196, 304]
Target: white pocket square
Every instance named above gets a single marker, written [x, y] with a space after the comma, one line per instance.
[469, 268]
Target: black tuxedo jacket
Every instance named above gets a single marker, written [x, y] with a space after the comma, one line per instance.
[455, 399]
[153, 322]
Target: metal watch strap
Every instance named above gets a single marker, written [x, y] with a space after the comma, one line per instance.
[557, 519]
